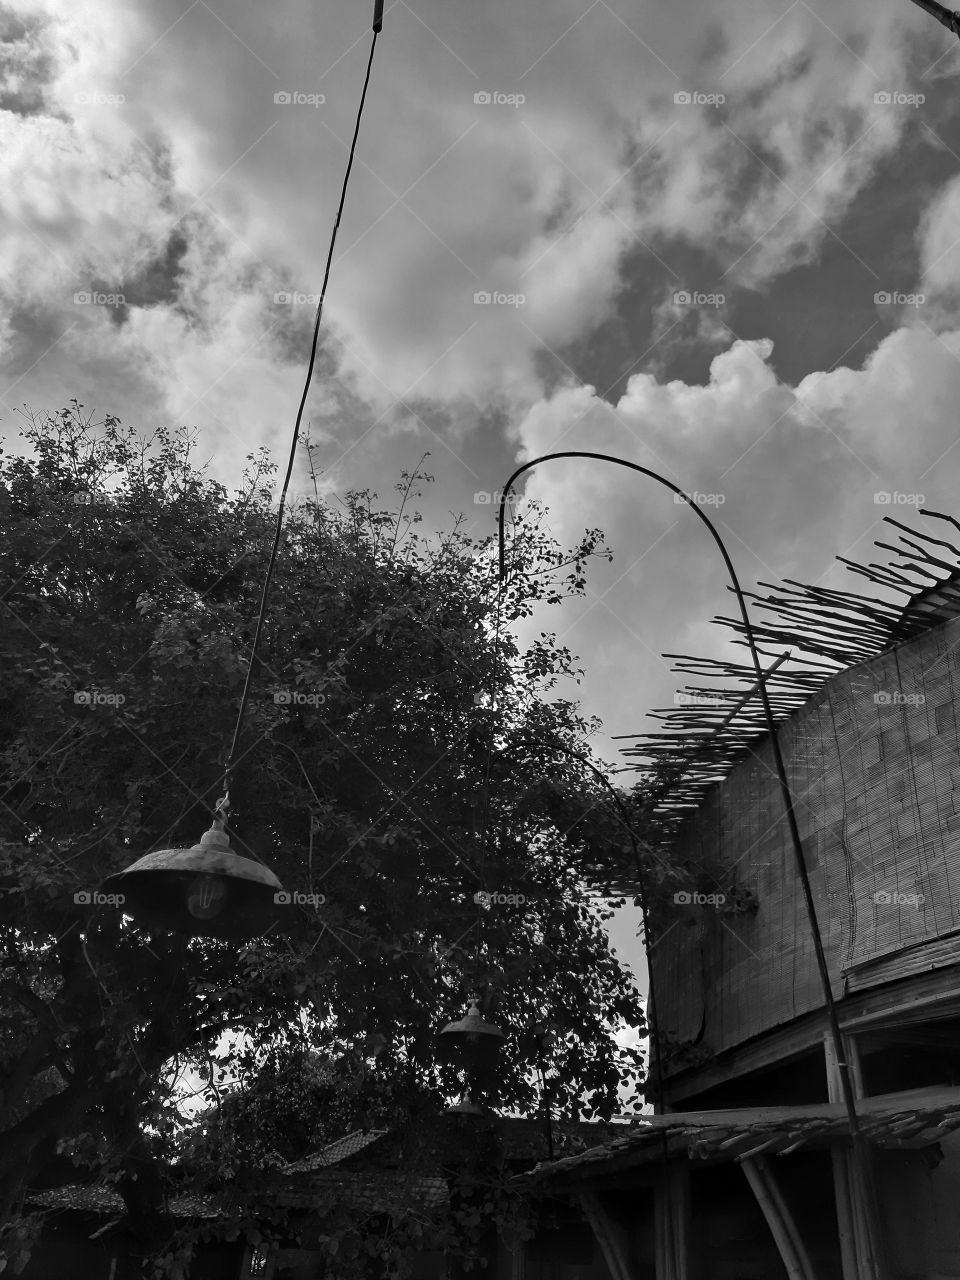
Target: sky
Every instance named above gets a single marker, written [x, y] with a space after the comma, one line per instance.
[721, 242]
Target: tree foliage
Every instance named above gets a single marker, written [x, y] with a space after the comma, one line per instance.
[399, 754]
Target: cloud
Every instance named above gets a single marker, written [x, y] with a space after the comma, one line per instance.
[789, 475]
[200, 199]
[449, 197]
[25, 65]
[940, 255]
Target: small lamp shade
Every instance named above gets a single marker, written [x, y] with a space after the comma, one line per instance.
[207, 890]
[467, 1107]
[472, 1044]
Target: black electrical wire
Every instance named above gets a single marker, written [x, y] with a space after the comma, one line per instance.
[223, 804]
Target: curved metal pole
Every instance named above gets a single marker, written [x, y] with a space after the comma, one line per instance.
[942, 14]
[878, 1270]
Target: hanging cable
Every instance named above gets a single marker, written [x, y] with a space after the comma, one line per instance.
[223, 804]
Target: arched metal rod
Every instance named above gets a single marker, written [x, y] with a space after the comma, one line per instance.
[942, 14]
[878, 1269]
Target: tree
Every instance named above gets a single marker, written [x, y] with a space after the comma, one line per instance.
[388, 763]
[286, 1103]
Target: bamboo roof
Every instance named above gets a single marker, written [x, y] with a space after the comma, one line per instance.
[915, 1118]
[810, 634]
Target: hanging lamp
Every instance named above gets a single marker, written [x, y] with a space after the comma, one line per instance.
[472, 1045]
[208, 889]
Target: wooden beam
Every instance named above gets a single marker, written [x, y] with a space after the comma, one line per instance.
[945, 1003]
[779, 1218]
[939, 986]
[610, 1235]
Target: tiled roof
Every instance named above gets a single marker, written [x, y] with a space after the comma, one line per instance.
[97, 1199]
[334, 1152]
[916, 1118]
[522, 1139]
[371, 1191]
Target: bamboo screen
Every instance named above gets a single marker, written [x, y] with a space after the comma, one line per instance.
[873, 761]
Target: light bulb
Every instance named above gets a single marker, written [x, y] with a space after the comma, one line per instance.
[205, 896]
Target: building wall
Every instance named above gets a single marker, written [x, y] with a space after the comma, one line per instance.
[874, 766]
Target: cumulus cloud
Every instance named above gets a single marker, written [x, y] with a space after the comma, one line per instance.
[450, 197]
[129, 168]
[940, 256]
[792, 477]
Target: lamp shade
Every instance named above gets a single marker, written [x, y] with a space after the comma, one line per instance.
[207, 890]
[471, 1043]
[467, 1107]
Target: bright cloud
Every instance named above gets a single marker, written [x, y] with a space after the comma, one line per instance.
[450, 197]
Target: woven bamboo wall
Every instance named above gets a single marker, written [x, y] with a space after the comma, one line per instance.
[874, 764]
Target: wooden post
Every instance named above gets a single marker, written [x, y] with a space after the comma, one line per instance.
[673, 1222]
[862, 1247]
[779, 1218]
[511, 1256]
[846, 1219]
[834, 1087]
[680, 1200]
[610, 1235]
[843, 1189]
